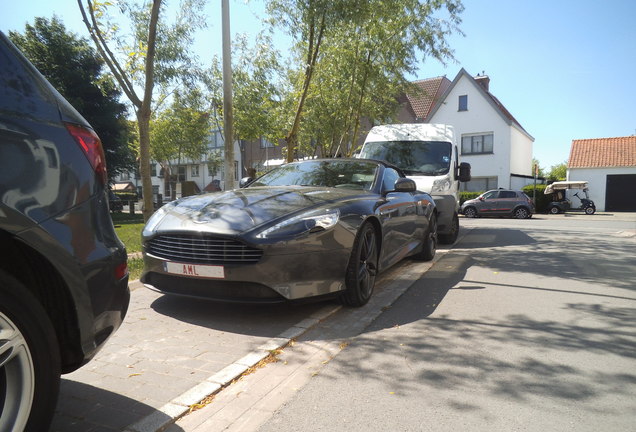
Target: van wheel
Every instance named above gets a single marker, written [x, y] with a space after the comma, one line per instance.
[590, 210]
[554, 210]
[451, 236]
[29, 360]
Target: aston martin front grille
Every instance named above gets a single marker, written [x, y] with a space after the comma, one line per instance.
[201, 249]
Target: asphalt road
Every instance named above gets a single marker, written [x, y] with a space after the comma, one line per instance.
[523, 326]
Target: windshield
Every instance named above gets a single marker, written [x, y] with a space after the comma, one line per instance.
[414, 157]
[349, 174]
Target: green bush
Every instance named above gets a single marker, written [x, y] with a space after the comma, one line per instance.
[542, 200]
[465, 196]
[127, 196]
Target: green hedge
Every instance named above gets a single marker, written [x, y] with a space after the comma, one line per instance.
[465, 196]
[127, 196]
[542, 199]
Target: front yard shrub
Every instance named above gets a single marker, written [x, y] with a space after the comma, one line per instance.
[465, 196]
[542, 200]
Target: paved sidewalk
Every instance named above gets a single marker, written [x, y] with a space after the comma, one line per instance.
[171, 353]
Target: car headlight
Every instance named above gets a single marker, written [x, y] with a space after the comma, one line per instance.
[154, 220]
[313, 221]
[441, 185]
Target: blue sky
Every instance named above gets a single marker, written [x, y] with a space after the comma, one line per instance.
[566, 69]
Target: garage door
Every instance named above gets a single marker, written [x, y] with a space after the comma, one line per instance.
[619, 195]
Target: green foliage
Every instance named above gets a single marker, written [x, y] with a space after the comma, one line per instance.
[558, 172]
[182, 130]
[77, 72]
[126, 196]
[542, 200]
[353, 58]
[465, 196]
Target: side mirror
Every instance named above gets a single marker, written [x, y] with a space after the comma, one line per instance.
[481, 198]
[404, 185]
[245, 181]
[464, 172]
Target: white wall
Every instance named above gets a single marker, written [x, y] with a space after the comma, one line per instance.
[597, 181]
[482, 118]
[521, 152]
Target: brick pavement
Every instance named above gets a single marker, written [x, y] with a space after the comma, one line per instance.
[169, 353]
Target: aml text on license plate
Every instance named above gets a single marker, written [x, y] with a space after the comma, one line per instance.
[196, 270]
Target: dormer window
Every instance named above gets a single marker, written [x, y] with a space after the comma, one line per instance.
[463, 103]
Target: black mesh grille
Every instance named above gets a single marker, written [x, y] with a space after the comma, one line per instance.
[201, 249]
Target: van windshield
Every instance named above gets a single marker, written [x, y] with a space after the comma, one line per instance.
[414, 157]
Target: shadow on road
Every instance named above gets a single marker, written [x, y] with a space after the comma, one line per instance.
[87, 408]
[266, 320]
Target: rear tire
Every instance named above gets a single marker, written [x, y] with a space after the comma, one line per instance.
[451, 236]
[470, 212]
[590, 210]
[429, 246]
[362, 268]
[29, 360]
[521, 213]
[554, 210]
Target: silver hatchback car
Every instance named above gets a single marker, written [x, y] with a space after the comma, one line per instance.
[500, 202]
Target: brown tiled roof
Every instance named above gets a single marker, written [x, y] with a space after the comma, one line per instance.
[603, 152]
[431, 89]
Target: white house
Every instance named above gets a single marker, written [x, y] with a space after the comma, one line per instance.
[497, 147]
[609, 167]
[198, 173]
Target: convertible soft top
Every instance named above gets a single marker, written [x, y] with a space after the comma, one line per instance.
[564, 185]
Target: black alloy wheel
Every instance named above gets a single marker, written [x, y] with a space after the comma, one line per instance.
[362, 268]
[429, 246]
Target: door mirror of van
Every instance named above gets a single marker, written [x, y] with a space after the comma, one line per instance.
[464, 172]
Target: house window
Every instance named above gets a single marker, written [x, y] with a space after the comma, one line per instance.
[182, 173]
[236, 171]
[477, 144]
[194, 170]
[125, 176]
[153, 170]
[463, 103]
[480, 184]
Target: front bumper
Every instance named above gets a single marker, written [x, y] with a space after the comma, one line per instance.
[276, 277]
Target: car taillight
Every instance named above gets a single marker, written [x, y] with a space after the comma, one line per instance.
[121, 270]
[91, 145]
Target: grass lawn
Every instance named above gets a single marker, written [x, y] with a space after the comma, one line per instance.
[128, 228]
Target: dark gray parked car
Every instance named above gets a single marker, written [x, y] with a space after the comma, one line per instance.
[63, 272]
[499, 202]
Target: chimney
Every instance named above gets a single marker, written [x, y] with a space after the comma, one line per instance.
[483, 80]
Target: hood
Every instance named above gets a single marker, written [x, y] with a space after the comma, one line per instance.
[240, 210]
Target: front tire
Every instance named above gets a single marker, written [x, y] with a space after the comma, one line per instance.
[29, 360]
[362, 268]
[590, 210]
[554, 210]
[451, 236]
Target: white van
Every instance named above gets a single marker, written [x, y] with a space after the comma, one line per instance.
[427, 153]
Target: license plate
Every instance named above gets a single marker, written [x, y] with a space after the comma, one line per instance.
[195, 270]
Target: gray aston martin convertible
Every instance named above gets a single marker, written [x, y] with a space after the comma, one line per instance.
[314, 228]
